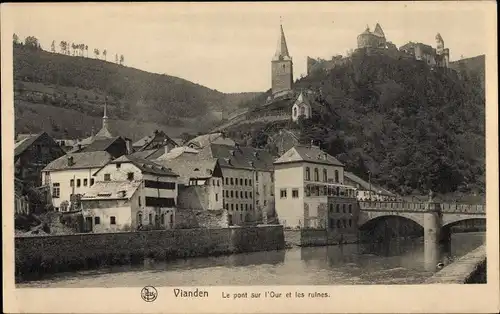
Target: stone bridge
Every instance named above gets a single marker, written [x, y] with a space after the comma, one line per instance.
[435, 218]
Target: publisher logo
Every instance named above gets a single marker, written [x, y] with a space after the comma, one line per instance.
[149, 293]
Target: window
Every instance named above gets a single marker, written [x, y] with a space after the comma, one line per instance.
[216, 197]
[235, 181]
[343, 208]
[85, 182]
[226, 206]
[246, 182]
[350, 223]
[78, 183]
[241, 181]
[250, 194]
[339, 224]
[171, 218]
[150, 216]
[232, 206]
[331, 208]
[241, 218]
[338, 208]
[294, 111]
[337, 190]
[112, 220]
[265, 202]
[236, 194]
[232, 195]
[250, 181]
[308, 174]
[91, 182]
[256, 177]
[325, 175]
[139, 218]
[283, 193]
[246, 194]
[118, 165]
[227, 181]
[332, 223]
[107, 177]
[336, 176]
[350, 208]
[97, 220]
[250, 206]
[71, 182]
[236, 206]
[344, 223]
[295, 193]
[246, 206]
[56, 190]
[139, 200]
[227, 193]
[316, 174]
[241, 194]
[130, 176]
[232, 182]
[218, 183]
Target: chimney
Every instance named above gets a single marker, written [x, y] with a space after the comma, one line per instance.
[166, 149]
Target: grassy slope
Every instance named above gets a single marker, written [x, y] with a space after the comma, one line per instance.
[44, 79]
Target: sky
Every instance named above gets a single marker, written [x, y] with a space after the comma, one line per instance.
[229, 46]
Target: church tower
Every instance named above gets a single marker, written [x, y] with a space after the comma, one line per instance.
[281, 68]
[104, 131]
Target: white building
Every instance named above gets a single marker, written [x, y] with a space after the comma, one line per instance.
[157, 194]
[301, 107]
[71, 176]
[308, 182]
[112, 206]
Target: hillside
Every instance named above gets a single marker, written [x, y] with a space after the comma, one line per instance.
[51, 85]
[413, 127]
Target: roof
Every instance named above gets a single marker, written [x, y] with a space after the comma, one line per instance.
[157, 136]
[241, 157]
[26, 142]
[378, 31]
[302, 99]
[103, 133]
[80, 161]
[312, 154]
[202, 141]
[100, 144]
[188, 167]
[281, 49]
[178, 151]
[106, 190]
[366, 185]
[145, 153]
[146, 166]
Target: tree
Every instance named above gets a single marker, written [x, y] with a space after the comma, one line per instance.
[87, 49]
[122, 59]
[116, 58]
[104, 53]
[15, 39]
[32, 42]
[63, 45]
[53, 46]
[96, 53]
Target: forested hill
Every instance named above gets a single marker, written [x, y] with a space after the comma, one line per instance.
[66, 85]
[413, 127]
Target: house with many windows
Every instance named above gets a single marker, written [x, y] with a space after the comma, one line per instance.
[367, 190]
[310, 191]
[71, 176]
[154, 201]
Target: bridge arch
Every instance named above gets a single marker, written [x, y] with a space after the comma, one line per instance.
[374, 216]
[450, 220]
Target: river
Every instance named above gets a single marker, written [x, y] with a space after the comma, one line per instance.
[394, 262]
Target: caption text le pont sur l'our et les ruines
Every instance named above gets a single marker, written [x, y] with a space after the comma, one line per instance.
[251, 295]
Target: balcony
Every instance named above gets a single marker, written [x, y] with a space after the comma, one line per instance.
[321, 189]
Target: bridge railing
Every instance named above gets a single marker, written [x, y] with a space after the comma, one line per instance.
[421, 207]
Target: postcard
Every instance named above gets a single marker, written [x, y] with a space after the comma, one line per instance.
[252, 157]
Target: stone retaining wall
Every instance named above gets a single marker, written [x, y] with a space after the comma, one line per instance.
[317, 237]
[470, 268]
[54, 253]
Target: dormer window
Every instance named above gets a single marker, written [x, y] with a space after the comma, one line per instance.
[118, 165]
[196, 169]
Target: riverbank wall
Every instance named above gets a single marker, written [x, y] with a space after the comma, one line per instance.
[468, 269]
[318, 237]
[37, 255]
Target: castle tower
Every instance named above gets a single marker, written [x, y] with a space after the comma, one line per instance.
[442, 53]
[281, 67]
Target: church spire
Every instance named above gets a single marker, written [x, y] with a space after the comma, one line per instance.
[104, 131]
[105, 116]
[282, 49]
